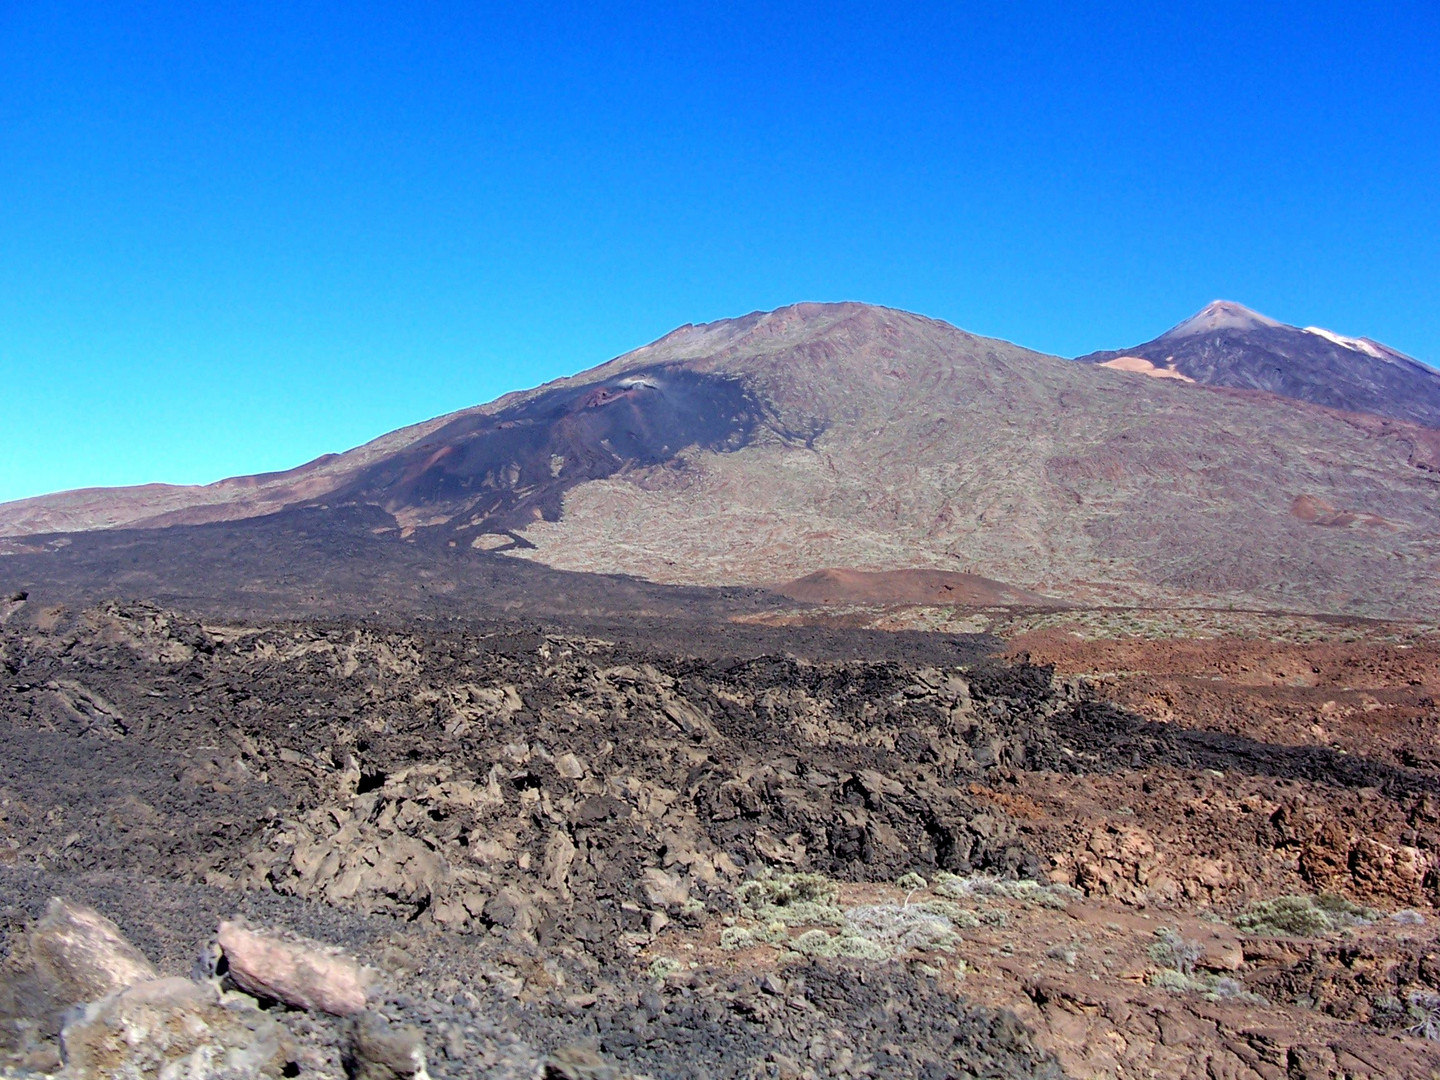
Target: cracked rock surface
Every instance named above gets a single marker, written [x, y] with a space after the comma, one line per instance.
[562, 852]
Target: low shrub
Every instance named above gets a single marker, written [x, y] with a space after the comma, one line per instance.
[795, 899]
[820, 943]
[1302, 916]
[1066, 954]
[1177, 982]
[1173, 952]
[1177, 958]
[1041, 894]
[897, 928]
[962, 918]
[737, 937]
[1225, 988]
[1425, 1012]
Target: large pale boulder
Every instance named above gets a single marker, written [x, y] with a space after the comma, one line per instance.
[302, 974]
[71, 955]
[83, 954]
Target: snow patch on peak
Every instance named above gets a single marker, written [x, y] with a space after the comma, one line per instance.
[1220, 315]
[1374, 349]
[1364, 345]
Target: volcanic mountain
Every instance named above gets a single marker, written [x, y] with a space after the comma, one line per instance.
[959, 822]
[1227, 344]
[769, 447]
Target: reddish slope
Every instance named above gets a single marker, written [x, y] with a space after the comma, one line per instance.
[893, 587]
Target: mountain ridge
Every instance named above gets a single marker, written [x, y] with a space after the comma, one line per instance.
[768, 447]
[1229, 345]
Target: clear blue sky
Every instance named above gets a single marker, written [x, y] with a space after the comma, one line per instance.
[236, 236]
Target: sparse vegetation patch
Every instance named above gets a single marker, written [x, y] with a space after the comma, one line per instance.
[981, 887]
[794, 899]
[1303, 916]
[1177, 957]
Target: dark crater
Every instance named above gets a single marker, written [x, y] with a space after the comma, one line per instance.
[505, 470]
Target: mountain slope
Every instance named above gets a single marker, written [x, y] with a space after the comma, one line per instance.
[232, 499]
[931, 448]
[1226, 344]
[763, 449]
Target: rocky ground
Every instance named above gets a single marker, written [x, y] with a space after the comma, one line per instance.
[574, 851]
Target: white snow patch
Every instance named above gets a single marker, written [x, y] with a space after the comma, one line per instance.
[1363, 345]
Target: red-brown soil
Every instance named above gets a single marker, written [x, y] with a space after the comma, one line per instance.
[929, 587]
[1082, 978]
[1368, 698]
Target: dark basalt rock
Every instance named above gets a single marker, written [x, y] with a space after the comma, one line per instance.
[501, 471]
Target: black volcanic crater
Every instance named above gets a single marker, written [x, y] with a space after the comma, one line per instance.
[506, 469]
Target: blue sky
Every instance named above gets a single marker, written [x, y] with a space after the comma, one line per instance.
[234, 239]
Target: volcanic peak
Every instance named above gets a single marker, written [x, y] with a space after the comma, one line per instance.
[1219, 315]
[1229, 345]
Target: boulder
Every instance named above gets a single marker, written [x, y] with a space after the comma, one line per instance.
[83, 954]
[170, 1028]
[70, 956]
[579, 1063]
[380, 1050]
[302, 974]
